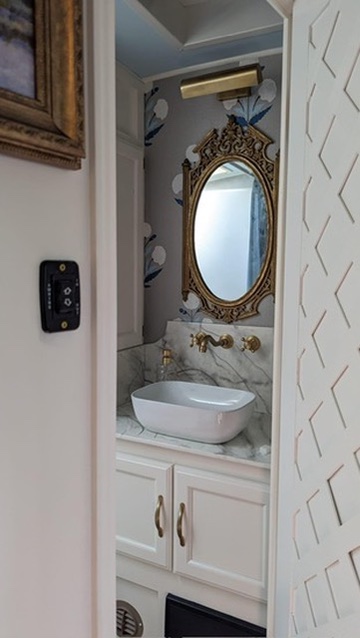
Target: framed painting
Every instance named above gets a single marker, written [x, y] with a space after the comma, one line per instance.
[41, 81]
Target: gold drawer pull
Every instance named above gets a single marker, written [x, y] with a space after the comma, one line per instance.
[159, 505]
[179, 524]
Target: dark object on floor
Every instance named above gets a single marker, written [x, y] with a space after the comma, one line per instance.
[186, 618]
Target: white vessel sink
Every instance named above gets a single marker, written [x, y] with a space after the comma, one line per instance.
[205, 413]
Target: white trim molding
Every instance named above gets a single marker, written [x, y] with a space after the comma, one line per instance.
[283, 7]
[282, 437]
[103, 196]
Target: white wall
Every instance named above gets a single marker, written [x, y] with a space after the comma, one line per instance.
[45, 408]
[47, 395]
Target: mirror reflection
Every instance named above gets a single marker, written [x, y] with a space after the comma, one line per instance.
[230, 198]
[231, 230]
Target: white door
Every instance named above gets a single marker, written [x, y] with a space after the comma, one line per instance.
[130, 207]
[143, 513]
[323, 219]
[130, 242]
[221, 530]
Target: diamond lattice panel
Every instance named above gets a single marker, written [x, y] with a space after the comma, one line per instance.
[326, 521]
[353, 85]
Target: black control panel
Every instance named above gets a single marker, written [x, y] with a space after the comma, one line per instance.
[59, 295]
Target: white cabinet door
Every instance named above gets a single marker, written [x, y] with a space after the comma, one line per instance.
[143, 512]
[224, 525]
[130, 243]
[130, 92]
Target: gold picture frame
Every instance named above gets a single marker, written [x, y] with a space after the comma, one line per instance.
[248, 146]
[46, 123]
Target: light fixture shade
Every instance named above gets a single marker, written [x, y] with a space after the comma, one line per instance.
[239, 78]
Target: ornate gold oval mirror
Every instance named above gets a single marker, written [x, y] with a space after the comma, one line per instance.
[229, 222]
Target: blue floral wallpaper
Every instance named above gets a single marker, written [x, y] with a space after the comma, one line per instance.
[250, 110]
[156, 110]
[154, 256]
[173, 128]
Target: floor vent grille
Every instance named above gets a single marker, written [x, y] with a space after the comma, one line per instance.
[128, 620]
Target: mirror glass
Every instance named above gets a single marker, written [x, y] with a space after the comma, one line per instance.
[231, 230]
[229, 222]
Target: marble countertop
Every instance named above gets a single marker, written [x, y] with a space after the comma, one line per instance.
[253, 444]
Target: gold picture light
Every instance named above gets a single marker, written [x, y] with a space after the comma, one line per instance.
[227, 84]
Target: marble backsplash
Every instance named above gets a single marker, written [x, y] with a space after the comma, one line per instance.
[233, 368]
[130, 372]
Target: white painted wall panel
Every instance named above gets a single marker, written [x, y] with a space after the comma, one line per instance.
[129, 106]
[324, 151]
[45, 434]
[47, 397]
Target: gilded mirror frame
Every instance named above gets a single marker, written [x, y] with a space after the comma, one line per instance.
[248, 146]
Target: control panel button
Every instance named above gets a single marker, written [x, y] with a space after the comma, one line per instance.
[59, 295]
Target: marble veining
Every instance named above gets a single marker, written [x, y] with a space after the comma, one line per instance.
[252, 444]
[130, 372]
[232, 368]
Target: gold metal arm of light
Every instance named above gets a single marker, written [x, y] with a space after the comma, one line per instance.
[179, 524]
[159, 505]
[201, 340]
[251, 343]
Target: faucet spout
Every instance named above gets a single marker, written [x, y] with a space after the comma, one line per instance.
[202, 340]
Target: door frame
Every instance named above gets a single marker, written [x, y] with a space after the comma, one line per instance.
[102, 140]
[101, 20]
[285, 352]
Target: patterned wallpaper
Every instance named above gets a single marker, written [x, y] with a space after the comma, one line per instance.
[173, 127]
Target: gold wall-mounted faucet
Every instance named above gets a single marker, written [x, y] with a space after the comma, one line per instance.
[202, 340]
[251, 343]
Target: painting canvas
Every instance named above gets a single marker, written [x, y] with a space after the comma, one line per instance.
[41, 81]
[17, 51]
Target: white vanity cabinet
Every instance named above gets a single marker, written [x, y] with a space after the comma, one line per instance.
[193, 526]
[143, 509]
[223, 522]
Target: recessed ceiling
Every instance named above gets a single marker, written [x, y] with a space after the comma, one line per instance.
[159, 37]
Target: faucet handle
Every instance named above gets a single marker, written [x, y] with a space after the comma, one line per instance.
[166, 356]
[196, 339]
[251, 343]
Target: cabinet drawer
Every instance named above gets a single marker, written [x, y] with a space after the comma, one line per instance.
[143, 514]
[225, 528]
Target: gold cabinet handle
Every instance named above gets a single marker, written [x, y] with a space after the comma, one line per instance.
[179, 524]
[159, 505]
